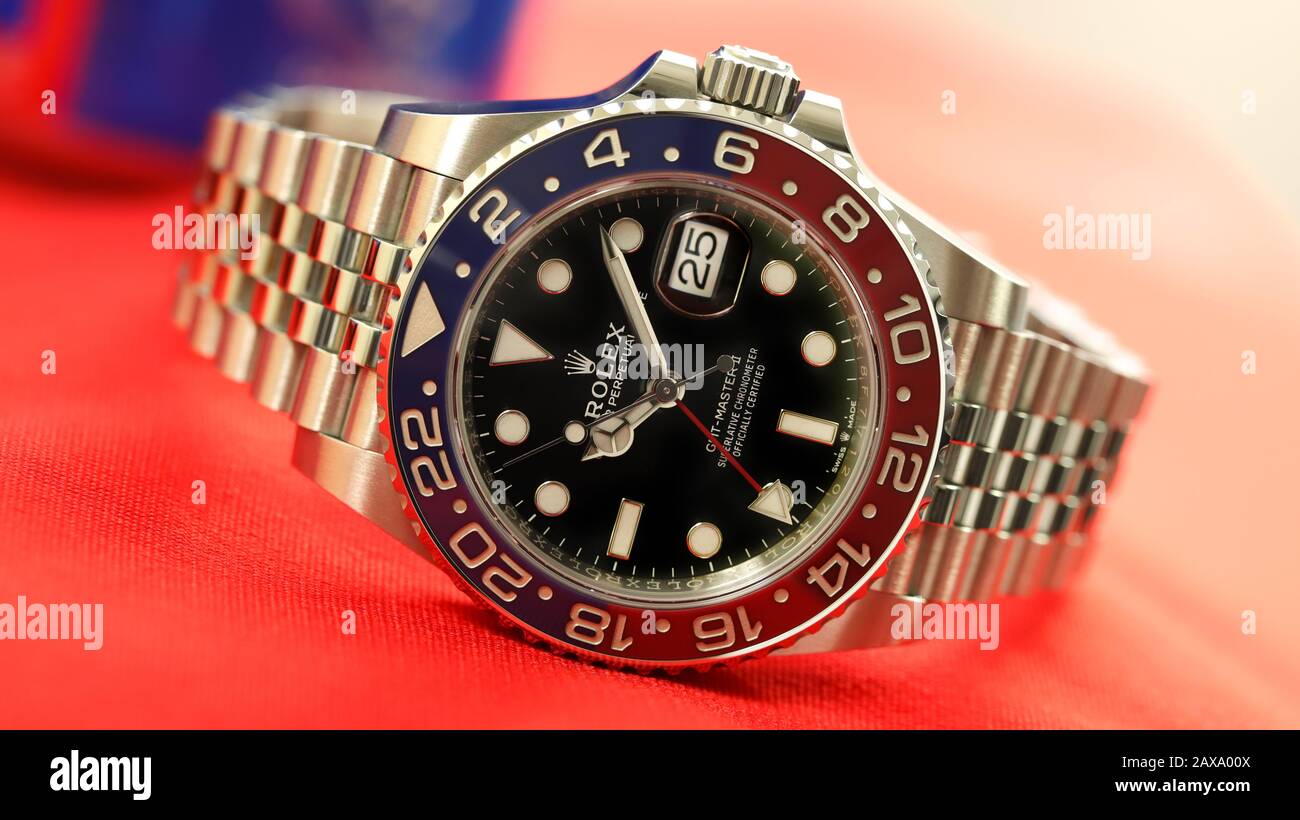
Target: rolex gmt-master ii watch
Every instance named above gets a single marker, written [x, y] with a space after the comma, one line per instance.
[662, 375]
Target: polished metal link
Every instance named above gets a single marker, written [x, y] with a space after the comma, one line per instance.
[301, 321]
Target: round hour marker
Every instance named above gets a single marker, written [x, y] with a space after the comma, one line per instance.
[874, 276]
[818, 348]
[459, 506]
[627, 233]
[789, 188]
[672, 154]
[778, 277]
[662, 625]
[544, 593]
[462, 269]
[869, 511]
[511, 427]
[551, 498]
[554, 276]
[575, 432]
[704, 540]
[781, 596]
[429, 387]
[551, 184]
[904, 393]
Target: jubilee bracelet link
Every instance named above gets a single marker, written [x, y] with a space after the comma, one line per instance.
[300, 320]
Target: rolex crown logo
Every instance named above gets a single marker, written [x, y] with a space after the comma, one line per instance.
[576, 364]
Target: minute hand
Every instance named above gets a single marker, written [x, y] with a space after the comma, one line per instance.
[628, 295]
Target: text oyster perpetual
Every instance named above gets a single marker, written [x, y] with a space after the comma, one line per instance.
[661, 374]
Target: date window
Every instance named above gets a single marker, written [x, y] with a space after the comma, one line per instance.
[702, 260]
[697, 267]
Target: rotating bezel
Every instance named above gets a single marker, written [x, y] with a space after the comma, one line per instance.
[502, 198]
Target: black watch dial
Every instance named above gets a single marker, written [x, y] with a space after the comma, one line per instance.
[676, 476]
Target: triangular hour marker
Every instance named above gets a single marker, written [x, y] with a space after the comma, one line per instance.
[425, 321]
[513, 346]
[774, 501]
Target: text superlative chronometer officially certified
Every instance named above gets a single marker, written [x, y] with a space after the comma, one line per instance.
[662, 374]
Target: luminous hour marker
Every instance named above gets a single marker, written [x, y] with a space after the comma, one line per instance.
[774, 501]
[789, 188]
[807, 427]
[620, 540]
[575, 432]
[671, 154]
[704, 540]
[551, 498]
[627, 233]
[511, 427]
[818, 348]
[778, 277]
[554, 276]
[551, 184]
[513, 346]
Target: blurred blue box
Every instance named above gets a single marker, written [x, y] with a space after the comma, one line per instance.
[146, 73]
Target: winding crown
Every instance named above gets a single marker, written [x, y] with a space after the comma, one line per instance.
[742, 76]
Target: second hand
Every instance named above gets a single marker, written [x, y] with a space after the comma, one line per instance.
[714, 441]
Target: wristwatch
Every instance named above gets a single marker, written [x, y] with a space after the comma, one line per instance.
[662, 375]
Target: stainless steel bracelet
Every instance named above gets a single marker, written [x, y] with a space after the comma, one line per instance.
[1043, 403]
[1037, 433]
[300, 321]
[1043, 399]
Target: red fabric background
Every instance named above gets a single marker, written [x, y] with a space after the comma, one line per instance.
[228, 614]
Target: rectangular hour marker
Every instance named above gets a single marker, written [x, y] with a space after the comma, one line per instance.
[807, 427]
[620, 540]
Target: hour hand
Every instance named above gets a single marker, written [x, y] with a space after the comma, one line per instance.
[612, 435]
